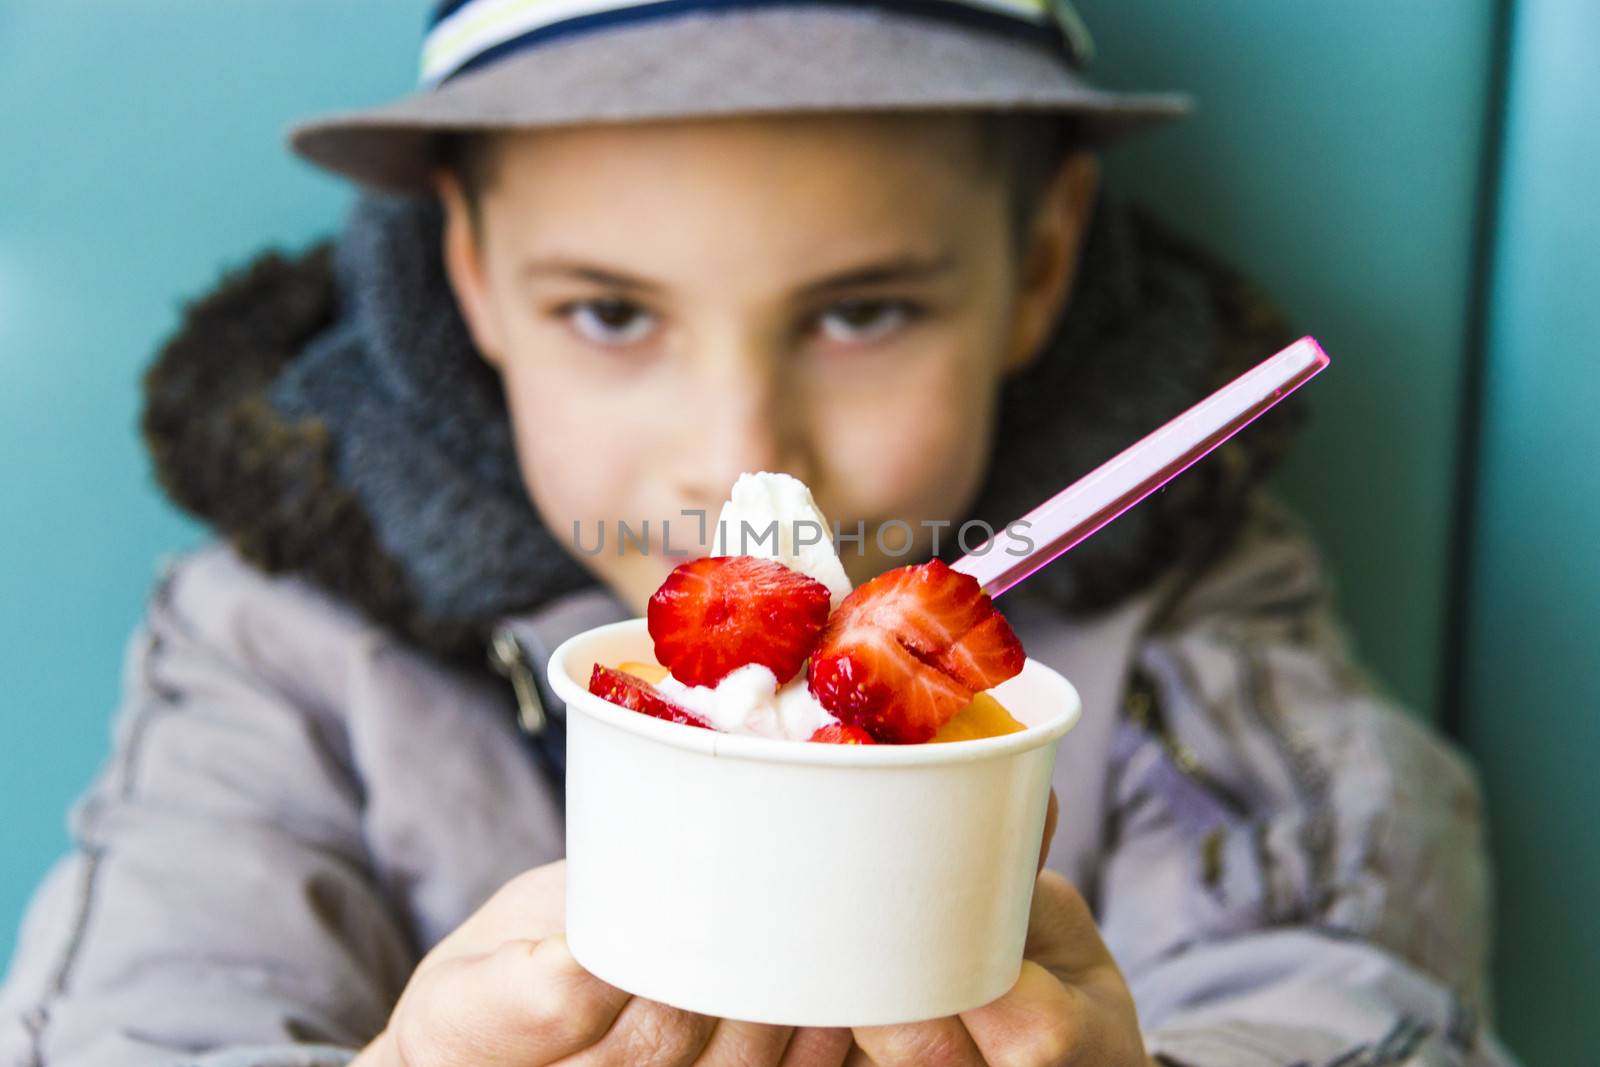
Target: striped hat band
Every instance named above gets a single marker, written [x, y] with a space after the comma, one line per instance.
[465, 35]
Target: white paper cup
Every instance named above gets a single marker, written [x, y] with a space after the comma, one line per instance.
[793, 883]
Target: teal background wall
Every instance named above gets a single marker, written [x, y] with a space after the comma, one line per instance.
[1335, 153]
[1531, 692]
[139, 155]
[1334, 150]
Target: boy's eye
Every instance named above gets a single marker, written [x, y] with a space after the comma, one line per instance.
[609, 321]
[858, 321]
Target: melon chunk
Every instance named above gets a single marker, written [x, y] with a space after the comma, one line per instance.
[983, 717]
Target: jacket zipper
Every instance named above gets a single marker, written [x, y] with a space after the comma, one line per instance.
[510, 660]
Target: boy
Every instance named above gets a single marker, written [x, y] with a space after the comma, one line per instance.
[654, 246]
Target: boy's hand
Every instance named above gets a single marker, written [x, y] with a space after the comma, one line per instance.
[503, 991]
[1070, 1008]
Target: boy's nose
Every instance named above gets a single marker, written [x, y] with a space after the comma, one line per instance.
[745, 422]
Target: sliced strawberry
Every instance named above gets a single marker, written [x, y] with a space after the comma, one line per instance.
[714, 615]
[908, 650]
[636, 694]
[837, 733]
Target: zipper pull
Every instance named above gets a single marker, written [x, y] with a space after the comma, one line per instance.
[510, 660]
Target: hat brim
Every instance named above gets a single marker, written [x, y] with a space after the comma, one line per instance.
[818, 58]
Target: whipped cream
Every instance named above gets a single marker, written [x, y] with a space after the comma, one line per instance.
[774, 516]
[750, 701]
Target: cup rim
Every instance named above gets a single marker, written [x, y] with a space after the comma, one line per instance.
[773, 750]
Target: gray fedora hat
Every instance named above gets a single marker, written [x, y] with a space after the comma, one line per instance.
[510, 64]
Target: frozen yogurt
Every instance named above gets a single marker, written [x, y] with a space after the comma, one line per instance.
[771, 640]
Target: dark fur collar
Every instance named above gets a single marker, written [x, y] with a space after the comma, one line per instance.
[1155, 324]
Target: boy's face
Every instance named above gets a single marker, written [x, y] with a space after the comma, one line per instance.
[836, 297]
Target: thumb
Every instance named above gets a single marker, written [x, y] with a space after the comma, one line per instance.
[525, 1003]
[1062, 935]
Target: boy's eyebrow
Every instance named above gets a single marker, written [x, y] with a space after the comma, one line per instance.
[907, 267]
[562, 267]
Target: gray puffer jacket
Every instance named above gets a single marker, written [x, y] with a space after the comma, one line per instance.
[315, 777]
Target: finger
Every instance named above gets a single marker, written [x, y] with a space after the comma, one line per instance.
[526, 1002]
[531, 906]
[1062, 935]
[817, 1046]
[648, 1034]
[739, 1044]
[935, 1043]
[1038, 1021]
[857, 1057]
[1052, 812]
[1043, 1020]
[1071, 1003]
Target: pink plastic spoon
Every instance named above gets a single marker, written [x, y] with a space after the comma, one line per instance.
[1118, 484]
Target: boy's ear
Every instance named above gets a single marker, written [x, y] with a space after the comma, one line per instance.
[463, 265]
[1049, 261]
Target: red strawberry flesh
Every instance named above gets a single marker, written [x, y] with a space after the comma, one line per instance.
[717, 614]
[906, 651]
[636, 694]
[837, 733]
